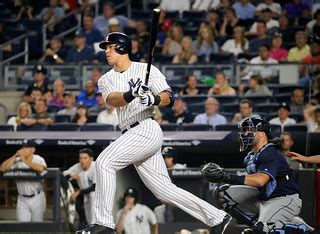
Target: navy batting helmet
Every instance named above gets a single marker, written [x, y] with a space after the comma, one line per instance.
[121, 40]
[248, 128]
[131, 192]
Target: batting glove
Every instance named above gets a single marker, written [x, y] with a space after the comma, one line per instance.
[148, 99]
[140, 90]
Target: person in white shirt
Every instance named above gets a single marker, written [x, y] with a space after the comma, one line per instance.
[312, 117]
[169, 5]
[24, 111]
[205, 5]
[135, 218]
[266, 15]
[283, 116]
[238, 45]
[169, 155]
[69, 101]
[108, 116]
[273, 6]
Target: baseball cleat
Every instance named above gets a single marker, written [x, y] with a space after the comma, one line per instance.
[221, 227]
[95, 229]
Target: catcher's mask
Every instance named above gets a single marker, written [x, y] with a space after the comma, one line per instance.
[248, 128]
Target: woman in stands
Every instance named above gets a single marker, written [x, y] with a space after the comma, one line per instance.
[238, 45]
[191, 86]
[187, 54]
[277, 51]
[172, 44]
[24, 111]
[82, 115]
[222, 86]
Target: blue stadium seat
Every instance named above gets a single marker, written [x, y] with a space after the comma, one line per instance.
[68, 127]
[62, 118]
[191, 15]
[169, 127]
[227, 99]
[90, 127]
[258, 99]
[32, 128]
[196, 108]
[172, 14]
[296, 128]
[221, 58]
[233, 108]
[282, 97]
[228, 115]
[267, 108]
[163, 58]
[227, 127]
[195, 127]
[286, 88]
[297, 117]
[6, 128]
[191, 99]
[203, 88]
[275, 130]
[53, 108]
[92, 118]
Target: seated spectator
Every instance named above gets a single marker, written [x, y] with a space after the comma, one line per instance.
[205, 5]
[143, 34]
[211, 116]
[82, 115]
[137, 54]
[266, 16]
[273, 6]
[41, 115]
[297, 101]
[80, 52]
[283, 116]
[170, 158]
[205, 44]
[108, 116]
[58, 91]
[55, 53]
[261, 39]
[24, 111]
[92, 34]
[114, 25]
[69, 101]
[246, 110]
[88, 95]
[230, 21]
[313, 27]
[244, 9]
[302, 50]
[238, 45]
[23, 10]
[191, 86]
[40, 83]
[101, 105]
[172, 44]
[96, 73]
[286, 144]
[187, 54]
[288, 33]
[51, 14]
[277, 51]
[314, 56]
[256, 86]
[296, 9]
[178, 114]
[169, 5]
[213, 19]
[312, 118]
[221, 86]
[36, 95]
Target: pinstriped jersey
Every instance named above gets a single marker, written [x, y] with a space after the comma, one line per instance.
[114, 81]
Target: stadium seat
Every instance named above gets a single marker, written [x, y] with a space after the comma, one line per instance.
[258, 99]
[91, 127]
[92, 118]
[276, 130]
[195, 127]
[227, 127]
[69, 127]
[229, 108]
[62, 118]
[286, 88]
[267, 108]
[192, 99]
[163, 58]
[6, 128]
[53, 108]
[282, 97]
[190, 31]
[296, 128]
[191, 15]
[172, 14]
[203, 88]
[169, 127]
[32, 128]
[228, 115]
[221, 58]
[227, 99]
[196, 108]
[297, 117]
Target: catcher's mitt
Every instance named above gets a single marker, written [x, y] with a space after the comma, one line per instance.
[214, 173]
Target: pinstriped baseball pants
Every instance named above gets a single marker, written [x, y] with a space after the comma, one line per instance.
[141, 146]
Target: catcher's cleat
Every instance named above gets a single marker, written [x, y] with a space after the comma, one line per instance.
[96, 229]
[221, 227]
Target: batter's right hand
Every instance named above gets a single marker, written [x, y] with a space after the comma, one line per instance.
[140, 90]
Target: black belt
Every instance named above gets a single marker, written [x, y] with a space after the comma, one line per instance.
[131, 126]
[30, 196]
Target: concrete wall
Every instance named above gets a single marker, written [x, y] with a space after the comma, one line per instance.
[11, 100]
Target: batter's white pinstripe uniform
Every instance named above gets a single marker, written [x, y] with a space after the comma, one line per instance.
[141, 146]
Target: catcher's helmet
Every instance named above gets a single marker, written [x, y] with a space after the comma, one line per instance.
[131, 192]
[248, 128]
[121, 40]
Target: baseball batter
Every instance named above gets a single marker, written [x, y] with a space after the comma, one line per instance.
[31, 203]
[141, 139]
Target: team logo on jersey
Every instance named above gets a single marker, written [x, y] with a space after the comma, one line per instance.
[133, 83]
[139, 219]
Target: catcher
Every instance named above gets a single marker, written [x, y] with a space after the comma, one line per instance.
[267, 196]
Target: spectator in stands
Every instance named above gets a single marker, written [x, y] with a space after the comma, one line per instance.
[187, 54]
[82, 115]
[143, 34]
[170, 158]
[172, 44]
[277, 51]
[114, 25]
[51, 14]
[238, 45]
[101, 105]
[169, 5]
[221, 86]
[92, 34]
[31, 200]
[283, 116]
[80, 53]
[69, 101]
[190, 88]
[24, 111]
[244, 9]
[213, 18]
[88, 95]
[285, 29]
[230, 21]
[296, 9]
[261, 39]
[297, 101]
[313, 27]
[246, 110]
[273, 6]
[24, 11]
[36, 95]
[58, 90]
[257, 87]
[41, 115]
[302, 50]
[108, 116]
[55, 53]
[211, 116]
[178, 114]
[40, 82]
[205, 5]
[286, 144]
[312, 118]
[266, 16]
[314, 56]
[96, 73]
[205, 44]
[137, 52]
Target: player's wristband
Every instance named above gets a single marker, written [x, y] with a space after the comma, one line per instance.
[128, 97]
[235, 179]
[157, 100]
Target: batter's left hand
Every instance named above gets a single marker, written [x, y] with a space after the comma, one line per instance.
[147, 99]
